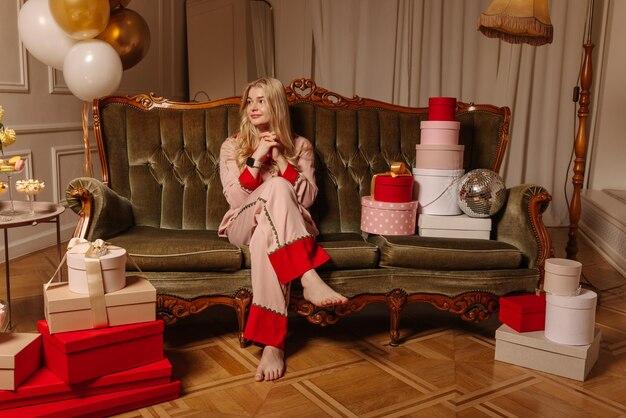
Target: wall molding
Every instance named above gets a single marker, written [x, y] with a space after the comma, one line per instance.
[58, 153]
[55, 85]
[21, 84]
[45, 128]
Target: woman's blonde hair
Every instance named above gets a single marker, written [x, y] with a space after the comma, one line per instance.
[279, 120]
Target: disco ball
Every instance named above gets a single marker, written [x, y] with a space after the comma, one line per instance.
[481, 193]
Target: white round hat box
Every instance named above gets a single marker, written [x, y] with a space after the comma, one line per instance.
[436, 190]
[113, 265]
[562, 276]
[570, 319]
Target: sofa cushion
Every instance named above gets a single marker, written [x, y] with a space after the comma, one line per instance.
[158, 249]
[346, 251]
[418, 252]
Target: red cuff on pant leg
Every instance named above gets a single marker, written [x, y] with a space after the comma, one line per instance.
[266, 327]
[295, 259]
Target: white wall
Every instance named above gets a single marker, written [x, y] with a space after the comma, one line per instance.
[607, 155]
[48, 118]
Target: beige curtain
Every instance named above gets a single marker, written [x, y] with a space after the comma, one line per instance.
[405, 51]
[263, 37]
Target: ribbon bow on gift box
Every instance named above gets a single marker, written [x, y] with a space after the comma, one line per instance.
[397, 169]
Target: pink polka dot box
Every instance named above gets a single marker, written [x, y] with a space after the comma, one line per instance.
[388, 218]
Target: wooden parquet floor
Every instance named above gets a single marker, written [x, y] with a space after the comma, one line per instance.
[444, 367]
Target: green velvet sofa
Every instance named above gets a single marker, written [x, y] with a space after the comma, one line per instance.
[160, 197]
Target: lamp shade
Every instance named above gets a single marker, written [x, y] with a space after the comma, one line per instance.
[517, 21]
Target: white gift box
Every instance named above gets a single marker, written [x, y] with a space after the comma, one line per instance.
[456, 226]
[570, 319]
[436, 191]
[535, 351]
[562, 276]
[388, 218]
[112, 265]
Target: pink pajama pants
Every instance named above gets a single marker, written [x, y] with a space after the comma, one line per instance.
[282, 248]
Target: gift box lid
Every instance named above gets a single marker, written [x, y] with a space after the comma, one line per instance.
[59, 298]
[563, 266]
[367, 201]
[524, 304]
[538, 340]
[440, 124]
[12, 344]
[586, 299]
[114, 258]
[439, 147]
[73, 341]
[397, 181]
[463, 222]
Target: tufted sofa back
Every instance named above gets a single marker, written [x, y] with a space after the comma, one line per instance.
[164, 156]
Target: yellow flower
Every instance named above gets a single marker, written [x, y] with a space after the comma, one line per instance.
[7, 136]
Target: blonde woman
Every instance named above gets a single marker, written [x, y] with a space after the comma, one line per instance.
[268, 177]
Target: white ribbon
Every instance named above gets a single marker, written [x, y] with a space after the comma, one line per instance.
[93, 269]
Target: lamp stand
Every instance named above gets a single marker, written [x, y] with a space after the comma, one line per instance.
[580, 150]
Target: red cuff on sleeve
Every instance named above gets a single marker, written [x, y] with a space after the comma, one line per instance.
[290, 174]
[248, 181]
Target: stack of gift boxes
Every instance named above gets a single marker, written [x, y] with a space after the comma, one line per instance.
[437, 172]
[98, 352]
[553, 331]
[390, 209]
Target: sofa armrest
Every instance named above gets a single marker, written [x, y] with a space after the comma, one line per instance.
[520, 223]
[103, 213]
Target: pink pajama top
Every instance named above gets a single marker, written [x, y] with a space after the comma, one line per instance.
[238, 185]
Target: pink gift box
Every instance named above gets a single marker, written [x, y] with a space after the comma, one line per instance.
[439, 132]
[442, 157]
[388, 218]
[20, 356]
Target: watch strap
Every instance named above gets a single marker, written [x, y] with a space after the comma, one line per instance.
[254, 163]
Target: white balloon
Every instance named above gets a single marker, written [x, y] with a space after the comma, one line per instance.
[92, 69]
[41, 34]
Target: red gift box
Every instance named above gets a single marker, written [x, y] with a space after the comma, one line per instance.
[44, 386]
[441, 108]
[82, 355]
[100, 405]
[524, 313]
[395, 185]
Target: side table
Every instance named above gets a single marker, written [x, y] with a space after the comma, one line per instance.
[45, 212]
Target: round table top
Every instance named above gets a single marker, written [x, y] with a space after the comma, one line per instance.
[44, 211]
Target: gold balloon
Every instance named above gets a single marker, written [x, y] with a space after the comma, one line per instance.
[129, 34]
[81, 19]
[118, 3]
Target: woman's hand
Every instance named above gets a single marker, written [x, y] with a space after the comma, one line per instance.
[268, 143]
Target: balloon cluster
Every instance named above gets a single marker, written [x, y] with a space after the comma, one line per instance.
[91, 41]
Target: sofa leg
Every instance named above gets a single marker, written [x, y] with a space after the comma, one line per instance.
[396, 299]
[243, 299]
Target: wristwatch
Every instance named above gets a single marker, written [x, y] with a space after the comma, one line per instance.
[254, 163]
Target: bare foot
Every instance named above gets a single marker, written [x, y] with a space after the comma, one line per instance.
[272, 365]
[319, 293]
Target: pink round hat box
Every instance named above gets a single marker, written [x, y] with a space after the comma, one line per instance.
[113, 265]
[441, 108]
[388, 218]
[442, 157]
[562, 276]
[439, 132]
[570, 319]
